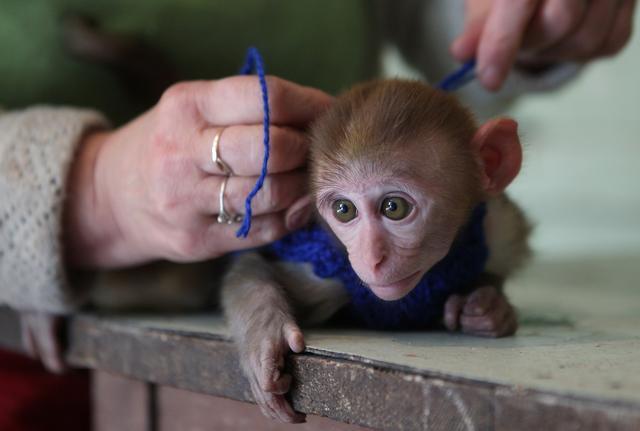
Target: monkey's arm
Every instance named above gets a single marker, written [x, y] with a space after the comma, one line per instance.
[264, 329]
[507, 232]
[260, 300]
[486, 311]
[314, 299]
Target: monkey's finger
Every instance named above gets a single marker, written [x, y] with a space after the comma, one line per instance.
[279, 192]
[268, 373]
[507, 327]
[512, 325]
[283, 410]
[259, 397]
[488, 322]
[237, 100]
[501, 40]
[479, 302]
[452, 311]
[241, 147]
[294, 337]
[553, 22]
[280, 386]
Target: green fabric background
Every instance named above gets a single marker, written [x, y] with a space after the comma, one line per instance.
[327, 44]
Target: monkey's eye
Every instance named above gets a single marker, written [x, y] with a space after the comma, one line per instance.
[344, 210]
[395, 208]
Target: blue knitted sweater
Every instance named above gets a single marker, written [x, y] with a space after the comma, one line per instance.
[423, 306]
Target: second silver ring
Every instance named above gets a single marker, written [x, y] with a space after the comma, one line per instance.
[223, 215]
[215, 156]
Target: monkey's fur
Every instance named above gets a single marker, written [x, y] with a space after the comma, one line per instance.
[378, 131]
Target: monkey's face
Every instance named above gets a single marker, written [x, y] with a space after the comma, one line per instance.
[396, 168]
[394, 230]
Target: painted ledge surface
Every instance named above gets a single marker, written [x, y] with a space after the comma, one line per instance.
[579, 335]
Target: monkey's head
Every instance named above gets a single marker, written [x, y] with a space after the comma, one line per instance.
[396, 169]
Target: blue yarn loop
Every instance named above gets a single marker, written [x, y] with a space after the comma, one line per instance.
[254, 61]
[423, 306]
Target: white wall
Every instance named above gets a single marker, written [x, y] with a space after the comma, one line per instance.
[581, 179]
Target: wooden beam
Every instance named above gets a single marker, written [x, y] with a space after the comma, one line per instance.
[351, 391]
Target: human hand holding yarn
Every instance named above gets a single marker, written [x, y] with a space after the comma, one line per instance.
[150, 189]
[537, 33]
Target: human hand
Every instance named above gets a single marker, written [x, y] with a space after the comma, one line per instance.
[150, 189]
[537, 33]
[41, 339]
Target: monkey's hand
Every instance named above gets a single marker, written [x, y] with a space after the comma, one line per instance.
[263, 353]
[485, 312]
[41, 339]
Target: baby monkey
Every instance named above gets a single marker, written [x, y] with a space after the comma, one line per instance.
[414, 231]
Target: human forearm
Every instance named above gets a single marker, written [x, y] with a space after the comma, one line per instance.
[37, 147]
[91, 236]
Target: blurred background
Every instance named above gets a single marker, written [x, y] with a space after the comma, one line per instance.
[581, 172]
[580, 187]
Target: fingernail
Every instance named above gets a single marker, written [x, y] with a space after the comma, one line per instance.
[491, 77]
[298, 218]
[456, 48]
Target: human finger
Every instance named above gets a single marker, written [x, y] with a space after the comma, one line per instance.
[210, 239]
[238, 100]
[501, 39]
[464, 47]
[278, 192]
[620, 31]
[221, 238]
[48, 345]
[590, 37]
[241, 148]
[553, 21]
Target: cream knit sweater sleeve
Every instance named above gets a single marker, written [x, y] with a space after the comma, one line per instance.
[37, 146]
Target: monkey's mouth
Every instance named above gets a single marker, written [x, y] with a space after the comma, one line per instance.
[397, 289]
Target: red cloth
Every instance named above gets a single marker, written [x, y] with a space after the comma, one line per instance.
[31, 399]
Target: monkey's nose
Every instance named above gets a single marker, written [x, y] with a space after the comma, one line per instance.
[374, 261]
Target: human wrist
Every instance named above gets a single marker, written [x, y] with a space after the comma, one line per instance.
[90, 233]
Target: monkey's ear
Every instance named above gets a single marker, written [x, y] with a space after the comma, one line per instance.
[498, 146]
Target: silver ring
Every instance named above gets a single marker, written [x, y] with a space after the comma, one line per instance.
[221, 164]
[224, 216]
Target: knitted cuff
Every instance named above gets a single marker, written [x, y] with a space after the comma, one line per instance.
[37, 146]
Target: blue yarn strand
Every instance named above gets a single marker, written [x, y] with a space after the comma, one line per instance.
[254, 61]
[460, 77]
